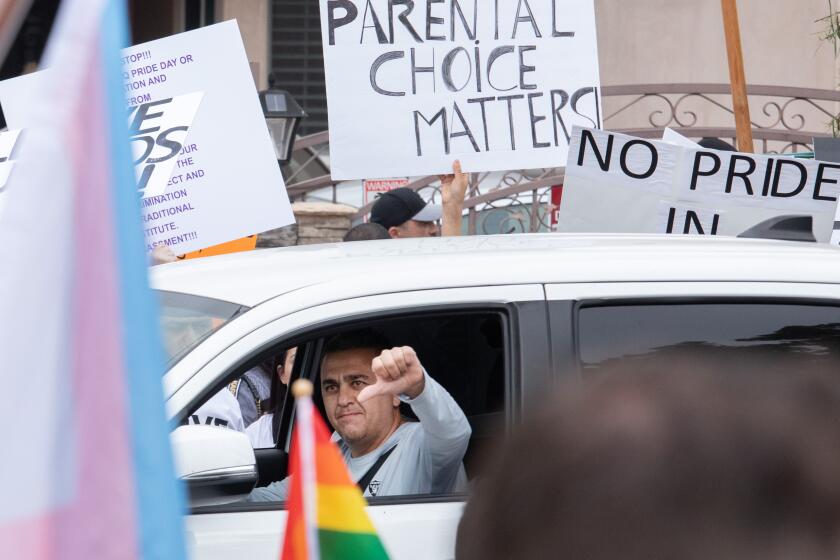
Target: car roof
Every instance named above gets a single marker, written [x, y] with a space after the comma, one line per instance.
[411, 264]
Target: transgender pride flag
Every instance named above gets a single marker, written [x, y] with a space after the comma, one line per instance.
[85, 464]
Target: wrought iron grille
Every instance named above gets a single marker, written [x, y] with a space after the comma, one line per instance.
[785, 120]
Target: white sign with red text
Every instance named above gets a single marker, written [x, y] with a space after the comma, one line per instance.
[374, 188]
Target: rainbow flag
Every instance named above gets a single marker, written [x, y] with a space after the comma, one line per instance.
[87, 471]
[327, 518]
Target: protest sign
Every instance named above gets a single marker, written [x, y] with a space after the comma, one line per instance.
[377, 187]
[158, 132]
[205, 162]
[8, 142]
[498, 84]
[618, 183]
[827, 149]
[671, 136]
[554, 207]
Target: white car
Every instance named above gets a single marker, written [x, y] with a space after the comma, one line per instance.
[496, 320]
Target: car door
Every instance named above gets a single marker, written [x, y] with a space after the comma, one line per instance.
[594, 323]
[421, 527]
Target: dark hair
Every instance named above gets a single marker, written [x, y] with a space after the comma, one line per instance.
[353, 340]
[679, 460]
[277, 392]
[367, 232]
[277, 395]
[368, 339]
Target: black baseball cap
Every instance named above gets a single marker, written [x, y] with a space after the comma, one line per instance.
[398, 206]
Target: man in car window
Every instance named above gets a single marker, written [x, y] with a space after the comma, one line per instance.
[362, 385]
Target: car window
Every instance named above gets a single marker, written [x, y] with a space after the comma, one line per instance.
[186, 320]
[609, 333]
[466, 353]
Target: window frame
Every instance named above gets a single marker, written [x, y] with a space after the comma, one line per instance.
[521, 317]
[564, 301]
[679, 301]
[565, 318]
[163, 295]
[324, 332]
[316, 337]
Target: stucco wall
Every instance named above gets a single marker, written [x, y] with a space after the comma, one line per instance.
[665, 41]
[682, 41]
[651, 41]
[253, 19]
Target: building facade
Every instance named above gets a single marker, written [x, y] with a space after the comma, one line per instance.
[640, 42]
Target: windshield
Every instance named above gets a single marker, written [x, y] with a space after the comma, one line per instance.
[186, 320]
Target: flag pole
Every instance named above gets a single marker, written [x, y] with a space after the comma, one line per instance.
[736, 76]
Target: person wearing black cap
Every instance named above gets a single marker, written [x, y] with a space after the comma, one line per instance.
[405, 214]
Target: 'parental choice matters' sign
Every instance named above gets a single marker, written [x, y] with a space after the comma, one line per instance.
[620, 184]
[205, 164]
[499, 84]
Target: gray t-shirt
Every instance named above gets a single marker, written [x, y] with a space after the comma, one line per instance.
[427, 458]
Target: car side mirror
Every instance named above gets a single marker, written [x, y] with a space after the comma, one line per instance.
[217, 463]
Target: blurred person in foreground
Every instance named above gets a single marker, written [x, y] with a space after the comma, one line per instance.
[404, 214]
[683, 460]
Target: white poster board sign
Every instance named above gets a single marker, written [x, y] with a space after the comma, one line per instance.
[621, 184]
[413, 86]
[8, 142]
[204, 159]
[671, 136]
[159, 132]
